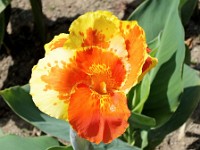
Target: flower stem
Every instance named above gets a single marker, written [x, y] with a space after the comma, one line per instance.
[79, 143]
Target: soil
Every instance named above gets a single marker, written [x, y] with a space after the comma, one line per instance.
[24, 48]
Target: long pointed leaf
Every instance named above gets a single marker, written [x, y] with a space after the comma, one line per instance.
[189, 100]
[21, 103]
[38, 18]
[13, 142]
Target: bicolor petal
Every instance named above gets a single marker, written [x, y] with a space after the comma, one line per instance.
[57, 42]
[51, 82]
[134, 37]
[98, 117]
[92, 29]
[150, 62]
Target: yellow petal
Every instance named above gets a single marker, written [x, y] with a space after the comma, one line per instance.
[58, 41]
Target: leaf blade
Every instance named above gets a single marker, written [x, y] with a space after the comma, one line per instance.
[4, 4]
[21, 103]
[189, 100]
[13, 142]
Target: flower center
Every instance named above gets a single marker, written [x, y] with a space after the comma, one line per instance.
[102, 88]
[99, 69]
[100, 75]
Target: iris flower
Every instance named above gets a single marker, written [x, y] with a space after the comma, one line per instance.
[86, 74]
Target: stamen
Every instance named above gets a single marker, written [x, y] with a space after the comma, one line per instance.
[103, 89]
[99, 69]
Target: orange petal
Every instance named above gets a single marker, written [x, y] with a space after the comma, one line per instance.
[136, 46]
[58, 41]
[102, 66]
[52, 81]
[98, 118]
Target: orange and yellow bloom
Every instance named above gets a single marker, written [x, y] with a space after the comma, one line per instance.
[86, 74]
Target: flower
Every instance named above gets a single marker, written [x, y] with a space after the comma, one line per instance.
[86, 74]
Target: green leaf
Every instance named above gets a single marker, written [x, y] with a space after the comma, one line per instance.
[1, 132]
[39, 18]
[182, 2]
[166, 78]
[60, 148]
[154, 45]
[152, 15]
[4, 4]
[187, 8]
[13, 142]
[21, 103]
[138, 95]
[188, 102]
[139, 121]
[144, 137]
[115, 145]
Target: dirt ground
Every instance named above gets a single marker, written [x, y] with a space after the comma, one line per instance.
[24, 49]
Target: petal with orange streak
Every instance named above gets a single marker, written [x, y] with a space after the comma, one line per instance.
[92, 29]
[136, 46]
[98, 118]
[102, 66]
[148, 65]
[58, 41]
[52, 81]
